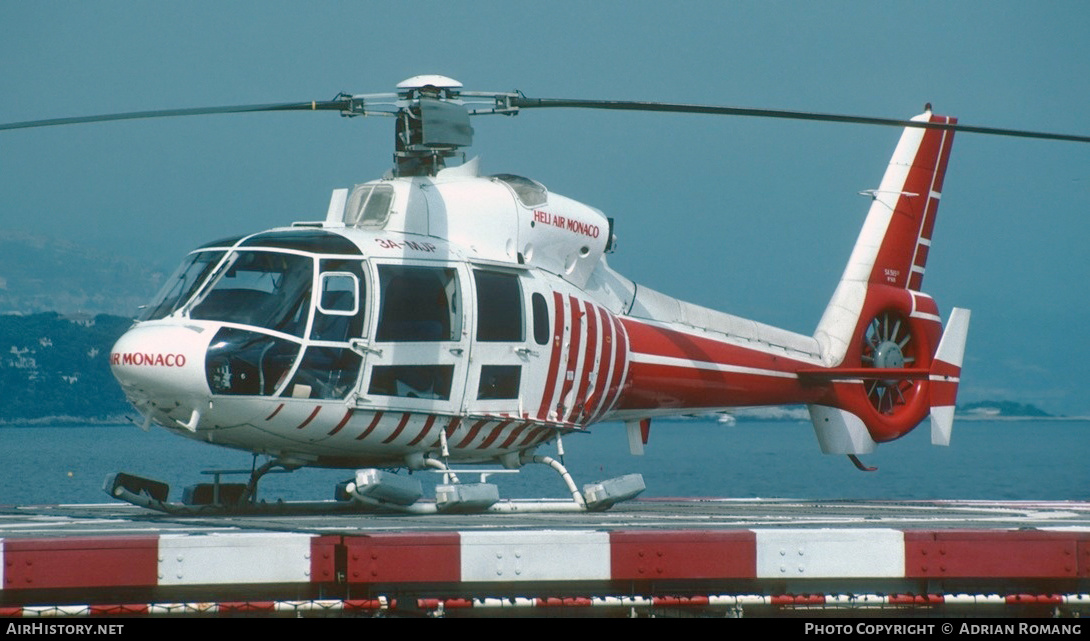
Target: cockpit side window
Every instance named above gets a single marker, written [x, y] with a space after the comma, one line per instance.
[260, 288]
[341, 301]
[419, 304]
[326, 372]
[246, 363]
[338, 293]
[181, 286]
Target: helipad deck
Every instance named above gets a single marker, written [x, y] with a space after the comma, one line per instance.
[759, 556]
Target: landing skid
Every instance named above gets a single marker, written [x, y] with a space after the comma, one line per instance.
[395, 493]
[152, 495]
[372, 491]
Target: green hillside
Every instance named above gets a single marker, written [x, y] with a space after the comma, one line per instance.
[58, 366]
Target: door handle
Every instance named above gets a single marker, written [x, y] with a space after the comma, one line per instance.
[361, 347]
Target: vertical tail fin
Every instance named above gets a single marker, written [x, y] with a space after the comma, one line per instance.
[892, 247]
[879, 334]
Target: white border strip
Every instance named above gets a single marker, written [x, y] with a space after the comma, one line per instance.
[671, 361]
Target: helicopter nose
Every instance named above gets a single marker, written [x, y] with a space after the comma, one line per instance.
[161, 362]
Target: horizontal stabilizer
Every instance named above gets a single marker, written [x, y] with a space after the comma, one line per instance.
[865, 373]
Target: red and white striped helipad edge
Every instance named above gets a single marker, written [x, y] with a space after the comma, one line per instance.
[436, 605]
[528, 557]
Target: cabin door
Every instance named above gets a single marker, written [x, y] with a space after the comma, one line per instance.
[418, 349]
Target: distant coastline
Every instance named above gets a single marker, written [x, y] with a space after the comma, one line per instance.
[993, 410]
[999, 417]
[1008, 411]
[68, 421]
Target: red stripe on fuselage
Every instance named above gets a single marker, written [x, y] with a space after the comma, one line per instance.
[605, 364]
[453, 425]
[515, 434]
[544, 434]
[573, 357]
[400, 426]
[554, 360]
[424, 432]
[309, 418]
[374, 423]
[530, 437]
[494, 434]
[617, 376]
[275, 412]
[578, 410]
[472, 433]
[344, 421]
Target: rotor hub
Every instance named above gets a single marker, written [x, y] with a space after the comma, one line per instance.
[888, 354]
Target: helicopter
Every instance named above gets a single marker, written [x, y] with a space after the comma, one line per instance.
[438, 318]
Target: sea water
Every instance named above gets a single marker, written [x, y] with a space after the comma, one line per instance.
[1009, 460]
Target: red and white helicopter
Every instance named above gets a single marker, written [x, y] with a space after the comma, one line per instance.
[437, 317]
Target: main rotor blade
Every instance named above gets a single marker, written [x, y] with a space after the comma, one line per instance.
[631, 105]
[352, 106]
[324, 105]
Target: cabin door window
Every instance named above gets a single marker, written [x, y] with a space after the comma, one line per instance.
[513, 347]
[500, 330]
[416, 360]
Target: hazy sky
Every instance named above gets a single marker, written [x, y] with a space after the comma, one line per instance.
[752, 217]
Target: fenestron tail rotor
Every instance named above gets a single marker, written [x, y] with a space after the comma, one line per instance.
[888, 344]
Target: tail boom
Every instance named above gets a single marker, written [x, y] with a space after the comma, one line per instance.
[878, 362]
